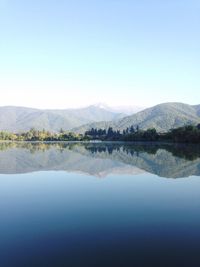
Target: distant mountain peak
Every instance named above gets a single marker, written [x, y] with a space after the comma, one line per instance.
[127, 110]
[101, 105]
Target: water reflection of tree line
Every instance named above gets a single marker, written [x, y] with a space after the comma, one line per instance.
[188, 152]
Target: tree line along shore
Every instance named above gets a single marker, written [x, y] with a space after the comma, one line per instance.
[184, 134]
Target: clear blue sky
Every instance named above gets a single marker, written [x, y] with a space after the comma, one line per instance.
[60, 53]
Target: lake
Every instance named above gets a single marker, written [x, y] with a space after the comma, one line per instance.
[104, 204]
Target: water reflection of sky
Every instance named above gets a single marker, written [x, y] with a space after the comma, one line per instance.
[70, 219]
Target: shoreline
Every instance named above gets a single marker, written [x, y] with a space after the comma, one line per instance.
[102, 142]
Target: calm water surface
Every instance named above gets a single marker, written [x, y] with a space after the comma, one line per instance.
[99, 205]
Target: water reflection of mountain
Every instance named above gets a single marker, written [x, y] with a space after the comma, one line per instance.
[101, 159]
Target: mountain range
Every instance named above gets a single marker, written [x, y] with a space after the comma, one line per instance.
[19, 119]
[162, 117]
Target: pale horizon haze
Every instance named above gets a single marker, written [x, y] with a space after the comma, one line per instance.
[67, 54]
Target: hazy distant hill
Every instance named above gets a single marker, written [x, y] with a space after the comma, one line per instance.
[162, 117]
[22, 119]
